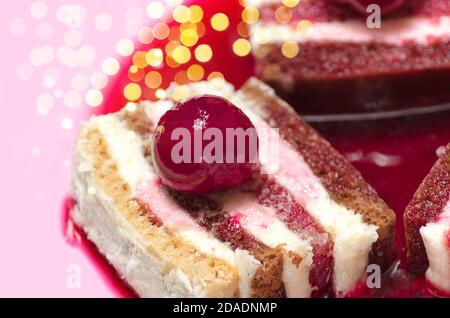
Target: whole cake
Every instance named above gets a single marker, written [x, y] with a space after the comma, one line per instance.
[304, 224]
[330, 56]
[427, 223]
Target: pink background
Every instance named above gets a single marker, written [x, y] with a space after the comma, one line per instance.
[36, 148]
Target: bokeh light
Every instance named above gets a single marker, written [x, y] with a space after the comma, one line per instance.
[290, 49]
[203, 53]
[181, 54]
[241, 47]
[196, 13]
[195, 72]
[250, 15]
[110, 66]
[220, 22]
[132, 92]
[154, 57]
[155, 10]
[153, 79]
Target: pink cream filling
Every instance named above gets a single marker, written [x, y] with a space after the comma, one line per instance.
[152, 194]
[249, 212]
[291, 170]
[396, 31]
[444, 219]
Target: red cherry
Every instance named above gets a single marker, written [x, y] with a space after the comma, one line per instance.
[195, 150]
[387, 6]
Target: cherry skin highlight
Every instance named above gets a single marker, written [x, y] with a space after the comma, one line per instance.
[205, 144]
[387, 6]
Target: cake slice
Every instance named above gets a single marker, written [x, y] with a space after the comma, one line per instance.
[336, 63]
[427, 224]
[293, 230]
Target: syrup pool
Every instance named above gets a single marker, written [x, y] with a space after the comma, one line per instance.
[393, 155]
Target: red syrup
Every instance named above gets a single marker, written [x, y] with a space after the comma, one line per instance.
[410, 141]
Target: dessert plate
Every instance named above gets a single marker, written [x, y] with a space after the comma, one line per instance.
[393, 150]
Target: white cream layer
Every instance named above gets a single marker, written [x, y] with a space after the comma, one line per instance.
[263, 224]
[260, 221]
[352, 237]
[394, 31]
[438, 249]
[127, 150]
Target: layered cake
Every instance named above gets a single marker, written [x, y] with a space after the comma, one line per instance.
[302, 223]
[427, 224]
[330, 56]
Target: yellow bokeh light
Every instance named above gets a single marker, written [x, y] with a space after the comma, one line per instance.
[161, 31]
[180, 93]
[125, 47]
[304, 26]
[203, 53]
[181, 14]
[132, 92]
[160, 93]
[195, 72]
[110, 66]
[153, 79]
[241, 47]
[139, 59]
[290, 49]
[283, 14]
[155, 10]
[154, 57]
[181, 54]
[220, 22]
[291, 3]
[250, 15]
[94, 98]
[196, 13]
[189, 37]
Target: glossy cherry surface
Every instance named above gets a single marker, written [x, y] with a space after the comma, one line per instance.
[205, 144]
